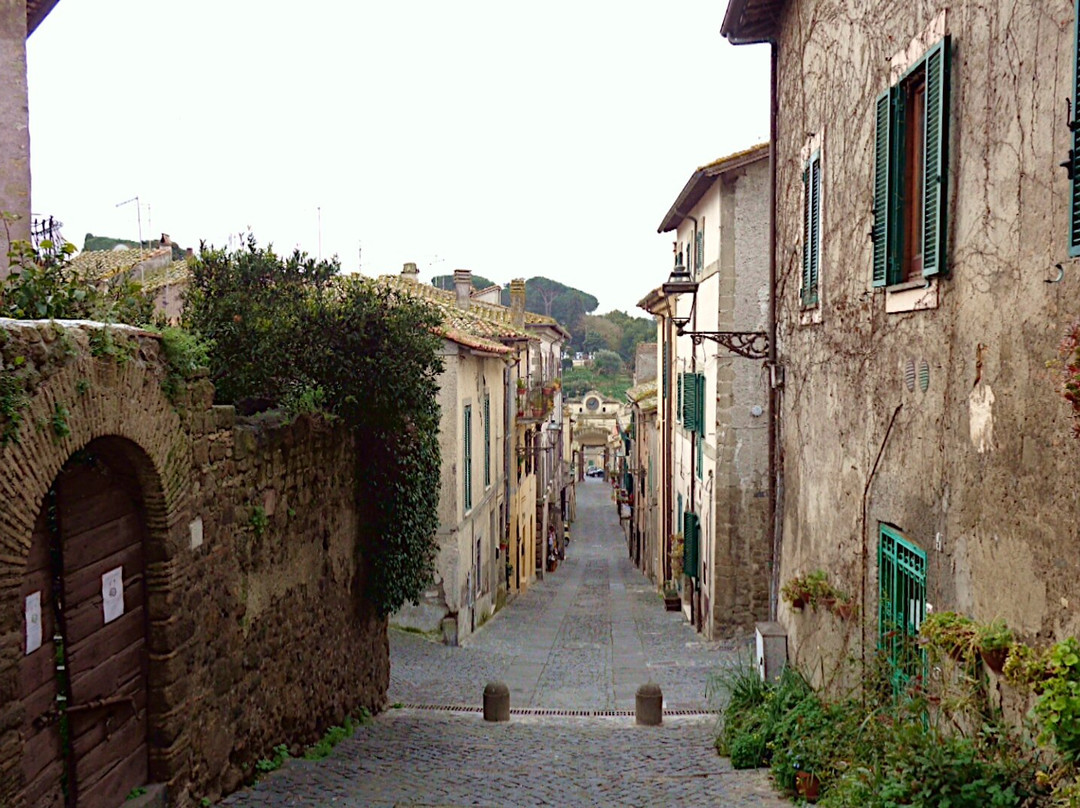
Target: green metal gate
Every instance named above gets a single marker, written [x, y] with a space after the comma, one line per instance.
[902, 604]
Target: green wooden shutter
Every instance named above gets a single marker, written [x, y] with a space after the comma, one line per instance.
[935, 165]
[487, 439]
[690, 399]
[882, 187]
[699, 404]
[700, 250]
[679, 397]
[700, 455]
[815, 227]
[1074, 155]
[807, 227]
[691, 544]
[467, 459]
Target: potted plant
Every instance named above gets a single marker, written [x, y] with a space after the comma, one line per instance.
[672, 599]
[810, 589]
[676, 556]
[951, 632]
[844, 607]
[994, 641]
[807, 785]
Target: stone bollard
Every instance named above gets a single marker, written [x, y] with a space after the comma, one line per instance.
[496, 702]
[649, 705]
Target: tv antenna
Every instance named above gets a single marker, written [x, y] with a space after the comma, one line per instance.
[138, 213]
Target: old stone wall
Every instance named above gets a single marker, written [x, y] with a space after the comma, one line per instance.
[978, 468]
[258, 632]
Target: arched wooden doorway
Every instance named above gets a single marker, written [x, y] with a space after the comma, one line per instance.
[83, 675]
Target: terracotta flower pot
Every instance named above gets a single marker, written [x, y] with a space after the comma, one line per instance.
[798, 602]
[808, 786]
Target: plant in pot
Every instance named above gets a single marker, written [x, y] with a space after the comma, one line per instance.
[845, 607]
[672, 599]
[953, 633]
[809, 590]
[994, 641]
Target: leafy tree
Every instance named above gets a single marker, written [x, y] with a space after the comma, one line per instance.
[446, 282]
[292, 330]
[608, 363]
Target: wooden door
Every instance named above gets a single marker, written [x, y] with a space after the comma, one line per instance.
[85, 731]
[101, 528]
[43, 755]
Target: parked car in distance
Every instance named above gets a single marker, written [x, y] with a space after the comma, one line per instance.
[594, 472]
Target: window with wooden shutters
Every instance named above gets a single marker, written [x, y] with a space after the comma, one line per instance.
[699, 249]
[487, 439]
[467, 456]
[700, 455]
[911, 172]
[1074, 153]
[691, 398]
[811, 229]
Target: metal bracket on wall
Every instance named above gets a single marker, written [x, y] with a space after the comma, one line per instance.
[751, 344]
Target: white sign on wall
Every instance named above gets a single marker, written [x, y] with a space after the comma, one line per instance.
[33, 622]
[112, 594]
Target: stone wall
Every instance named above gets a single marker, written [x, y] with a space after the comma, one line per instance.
[258, 632]
[993, 509]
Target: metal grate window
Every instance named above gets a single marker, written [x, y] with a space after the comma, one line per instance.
[902, 604]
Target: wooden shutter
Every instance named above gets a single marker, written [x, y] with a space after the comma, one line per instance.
[691, 546]
[700, 252]
[679, 397]
[487, 439]
[664, 370]
[700, 455]
[882, 186]
[935, 165]
[1074, 155]
[690, 401]
[699, 404]
[467, 460]
[811, 229]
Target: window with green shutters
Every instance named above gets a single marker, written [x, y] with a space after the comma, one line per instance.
[665, 350]
[700, 455]
[699, 249]
[811, 229]
[911, 172]
[901, 603]
[691, 544]
[1074, 140]
[467, 455]
[693, 402]
[487, 439]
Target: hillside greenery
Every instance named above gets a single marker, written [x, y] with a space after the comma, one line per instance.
[92, 242]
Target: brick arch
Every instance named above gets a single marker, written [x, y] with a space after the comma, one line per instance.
[124, 404]
[592, 436]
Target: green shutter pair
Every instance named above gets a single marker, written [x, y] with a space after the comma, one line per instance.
[487, 439]
[1074, 154]
[811, 229]
[691, 544]
[888, 172]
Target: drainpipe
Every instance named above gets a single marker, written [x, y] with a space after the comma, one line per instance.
[776, 481]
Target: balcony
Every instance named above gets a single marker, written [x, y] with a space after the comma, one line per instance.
[535, 403]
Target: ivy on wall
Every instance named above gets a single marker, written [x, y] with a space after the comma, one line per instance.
[293, 332]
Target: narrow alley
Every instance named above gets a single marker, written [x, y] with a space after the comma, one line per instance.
[573, 650]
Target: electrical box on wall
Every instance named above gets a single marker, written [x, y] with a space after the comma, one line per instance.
[771, 652]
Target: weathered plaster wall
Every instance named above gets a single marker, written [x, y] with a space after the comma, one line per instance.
[465, 380]
[257, 636]
[14, 125]
[980, 469]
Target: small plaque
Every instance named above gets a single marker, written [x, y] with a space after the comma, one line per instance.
[33, 622]
[112, 594]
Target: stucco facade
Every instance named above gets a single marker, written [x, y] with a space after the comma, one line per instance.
[927, 408]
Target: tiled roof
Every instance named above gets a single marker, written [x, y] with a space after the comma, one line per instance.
[100, 265]
[175, 273]
[482, 326]
[641, 391]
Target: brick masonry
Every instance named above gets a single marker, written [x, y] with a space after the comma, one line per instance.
[258, 634]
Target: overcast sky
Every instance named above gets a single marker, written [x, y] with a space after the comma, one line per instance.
[513, 139]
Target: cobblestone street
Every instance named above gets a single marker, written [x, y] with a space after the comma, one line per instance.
[582, 640]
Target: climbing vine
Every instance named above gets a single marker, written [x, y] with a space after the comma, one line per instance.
[293, 331]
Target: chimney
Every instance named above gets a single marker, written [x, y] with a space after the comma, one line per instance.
[410, 273]
[517, 303]
[165, 240]
[189, 253]
[463, 287]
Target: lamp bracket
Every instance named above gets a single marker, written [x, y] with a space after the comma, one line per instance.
[751, 344]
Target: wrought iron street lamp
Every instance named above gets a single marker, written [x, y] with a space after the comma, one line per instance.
[680, 286]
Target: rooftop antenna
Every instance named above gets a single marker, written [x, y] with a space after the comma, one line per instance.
[318, 211]
[138, 213]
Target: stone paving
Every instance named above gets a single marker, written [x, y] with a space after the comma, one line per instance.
[583, 639]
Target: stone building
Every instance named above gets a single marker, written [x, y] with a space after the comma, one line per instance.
[925, 236]
[713, 403]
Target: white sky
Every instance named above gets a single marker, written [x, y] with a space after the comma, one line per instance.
[510, 138]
